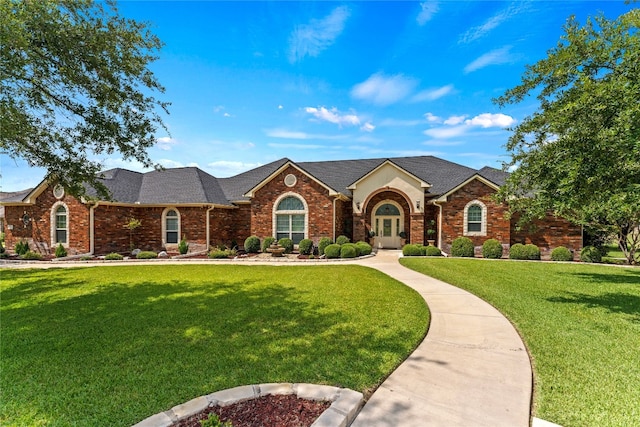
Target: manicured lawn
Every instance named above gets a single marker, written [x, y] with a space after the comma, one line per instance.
[113, 345]
[581, 324]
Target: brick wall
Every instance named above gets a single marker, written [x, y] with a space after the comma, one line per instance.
[498, 227]
[398, 198]
[316, 196]
[548, 234]
[38, 230]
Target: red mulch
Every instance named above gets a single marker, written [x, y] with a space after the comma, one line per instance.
[266, 411]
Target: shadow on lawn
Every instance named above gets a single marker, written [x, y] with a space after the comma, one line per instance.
[622, 276]
[123, 351]
[622, 303]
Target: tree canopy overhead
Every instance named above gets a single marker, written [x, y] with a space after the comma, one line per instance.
[578, 154]
[75, 85]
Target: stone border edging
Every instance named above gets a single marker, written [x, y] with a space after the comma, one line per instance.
[346, 403]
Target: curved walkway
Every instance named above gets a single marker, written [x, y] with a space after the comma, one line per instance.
[472, 369]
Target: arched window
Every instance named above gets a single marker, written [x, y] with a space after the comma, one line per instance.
[61, 222]
[475, 219]
[171, 226]
[290, 219]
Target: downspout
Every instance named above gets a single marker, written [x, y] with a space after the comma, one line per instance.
[92, 233]
[439, 224]
[334, 218]
[208, 225]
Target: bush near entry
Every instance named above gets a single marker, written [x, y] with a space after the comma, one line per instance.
[492, 248]
[462, 247]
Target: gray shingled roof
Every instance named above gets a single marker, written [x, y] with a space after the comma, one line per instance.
[191, 185]
[14, 196]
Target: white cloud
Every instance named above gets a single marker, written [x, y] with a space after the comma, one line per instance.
[432, 94]
[488, 120]
[333, 116]
[444, 132]
[480, 31]
[225, 168]
[441, 143]
[297, 146]
[384, 90]
[494, 57]
[454, 120]
[165, 143]
[432, 119]
[280, 107]
[367, 127]
[312, 38]
[427, 10]
[168, 163]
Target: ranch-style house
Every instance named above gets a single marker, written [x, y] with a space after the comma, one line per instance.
[403, 199]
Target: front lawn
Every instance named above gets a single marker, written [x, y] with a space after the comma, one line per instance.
[113, 345]
[581, 324]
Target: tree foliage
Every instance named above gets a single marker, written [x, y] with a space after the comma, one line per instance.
[75, 84]
[578, 154]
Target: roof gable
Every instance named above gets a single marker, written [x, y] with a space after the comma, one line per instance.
[378, 168]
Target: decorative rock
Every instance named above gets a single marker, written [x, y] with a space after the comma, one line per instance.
[163, 254]
[135, 252]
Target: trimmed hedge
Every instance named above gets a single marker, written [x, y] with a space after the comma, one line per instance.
[411, 250]
[491, 248]
[518, 251]
[332, 251]
[287, 244]
[222, 253]
[305, 247]
[147, 255]
[113, 256]
[590, 254]
[533, 252]
[323, 243]
[364, 248]
[561, 254]
[29, 255]
[432, 251]
[462, 247]
[266, 242]
[348, 250]
[252, 244]
[341, 240]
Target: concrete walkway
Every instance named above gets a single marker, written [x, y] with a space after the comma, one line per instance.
[472, 369]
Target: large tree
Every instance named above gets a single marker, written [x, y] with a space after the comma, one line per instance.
[75, 85]
[578, 154]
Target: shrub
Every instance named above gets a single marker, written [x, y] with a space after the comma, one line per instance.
[561, 254]
[348, 250]
[364, 248]
[22, 247]
[533, 252]
[1, 246]
[322, 244]
[341, 240]
[305, 247]
[252, 244]
[31, 255]
[590, 254]
[146, 255]
[113, 256]
[214, 421]
[266, 242]
[222, 253]
[287, 244]
[462, 247]
[518, 251]
[432, 251]
[332, 251]
[61, 252]
[183, 246]
[411, 250]
[86, 258]
[491, 248]
[4, 255]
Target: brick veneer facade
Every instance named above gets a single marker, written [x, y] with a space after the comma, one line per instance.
[233, 224]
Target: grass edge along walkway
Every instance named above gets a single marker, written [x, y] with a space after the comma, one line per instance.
[581, 325]
[113, 345]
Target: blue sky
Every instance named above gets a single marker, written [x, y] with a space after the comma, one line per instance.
[252, 82]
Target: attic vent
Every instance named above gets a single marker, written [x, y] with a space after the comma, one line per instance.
[290, 180]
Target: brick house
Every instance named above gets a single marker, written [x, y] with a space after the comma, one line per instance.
[412, 199]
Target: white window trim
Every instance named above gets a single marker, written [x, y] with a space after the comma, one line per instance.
[275, 212]
[53, 227]
[483, 224]
[164, 225]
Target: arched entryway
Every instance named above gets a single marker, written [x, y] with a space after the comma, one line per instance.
[387, 220]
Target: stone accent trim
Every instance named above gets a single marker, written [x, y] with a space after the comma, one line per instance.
[346, 403]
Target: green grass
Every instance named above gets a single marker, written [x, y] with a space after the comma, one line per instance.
[113, 345]
[581, 324]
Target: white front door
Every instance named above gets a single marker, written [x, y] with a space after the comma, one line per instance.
[388, 230]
